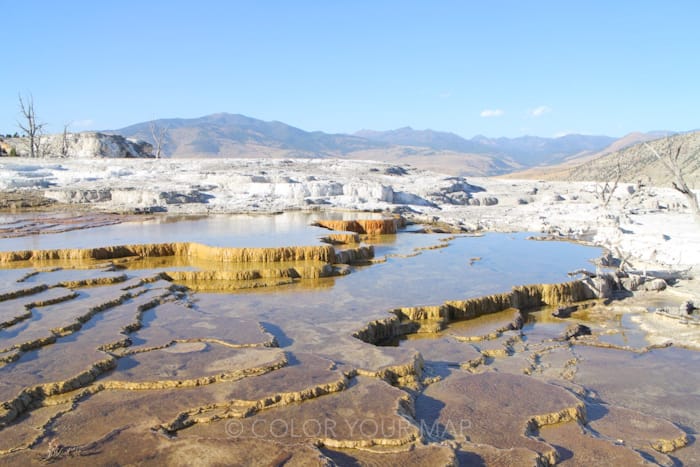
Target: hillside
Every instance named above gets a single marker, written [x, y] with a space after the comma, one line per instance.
[636, 163]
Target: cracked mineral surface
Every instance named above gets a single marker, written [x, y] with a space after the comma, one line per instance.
[383, 346]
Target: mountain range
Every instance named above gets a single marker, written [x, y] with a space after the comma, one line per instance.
[525, 150]
[232, 135]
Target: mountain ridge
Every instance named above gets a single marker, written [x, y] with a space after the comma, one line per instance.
[236, 135]
[527, 150]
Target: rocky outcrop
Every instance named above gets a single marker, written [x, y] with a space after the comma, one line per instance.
[354, 255]
[5, 148]
[84, 146]
[323, 253]
[362, 226]
[299, 272]
[341, 238]
[403, 374]
[551, 294]
[151, 199]
[575, 331]
[268, 267]
[410, 320]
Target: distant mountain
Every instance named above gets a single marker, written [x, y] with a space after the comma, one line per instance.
[525, 150]
[229, 135]
[636, 137]
[438, 140]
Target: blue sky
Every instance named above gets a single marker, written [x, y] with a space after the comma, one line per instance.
[498, 68]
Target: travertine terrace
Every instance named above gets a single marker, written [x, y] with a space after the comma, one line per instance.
[367, 349]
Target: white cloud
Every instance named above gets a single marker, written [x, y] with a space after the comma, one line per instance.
[445, 95]
[559, 134]
[539, 111]
[491, 113]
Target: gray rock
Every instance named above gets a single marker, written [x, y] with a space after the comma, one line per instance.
[80, 196]
[601, 286]
[633, 282]
[564, 311]
[609, 260]
[655, 285]
[575, 331]
[175, 197]
[461, 184]
[489, 201]
[517, 323]
[461, 198]
[686, 308]
[395, 170]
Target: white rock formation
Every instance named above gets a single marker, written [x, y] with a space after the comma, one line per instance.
[652, 228]
[84, 145]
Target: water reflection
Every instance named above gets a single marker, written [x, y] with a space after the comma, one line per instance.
[241, 230]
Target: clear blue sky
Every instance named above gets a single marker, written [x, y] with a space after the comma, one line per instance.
[498, 68]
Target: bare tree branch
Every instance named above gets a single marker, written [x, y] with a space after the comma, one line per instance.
[605, 193]
[32, 128]
[159, 134]
[672, 163]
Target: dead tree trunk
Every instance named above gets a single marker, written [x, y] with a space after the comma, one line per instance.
[671, 160]
[159, 134]
[31, 127]
[605, 193]
[64, 141]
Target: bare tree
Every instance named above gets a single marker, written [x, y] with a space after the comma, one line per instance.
[159, 134]
[30, 126]
[64, 140]
[604, 193]
[671, 160]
